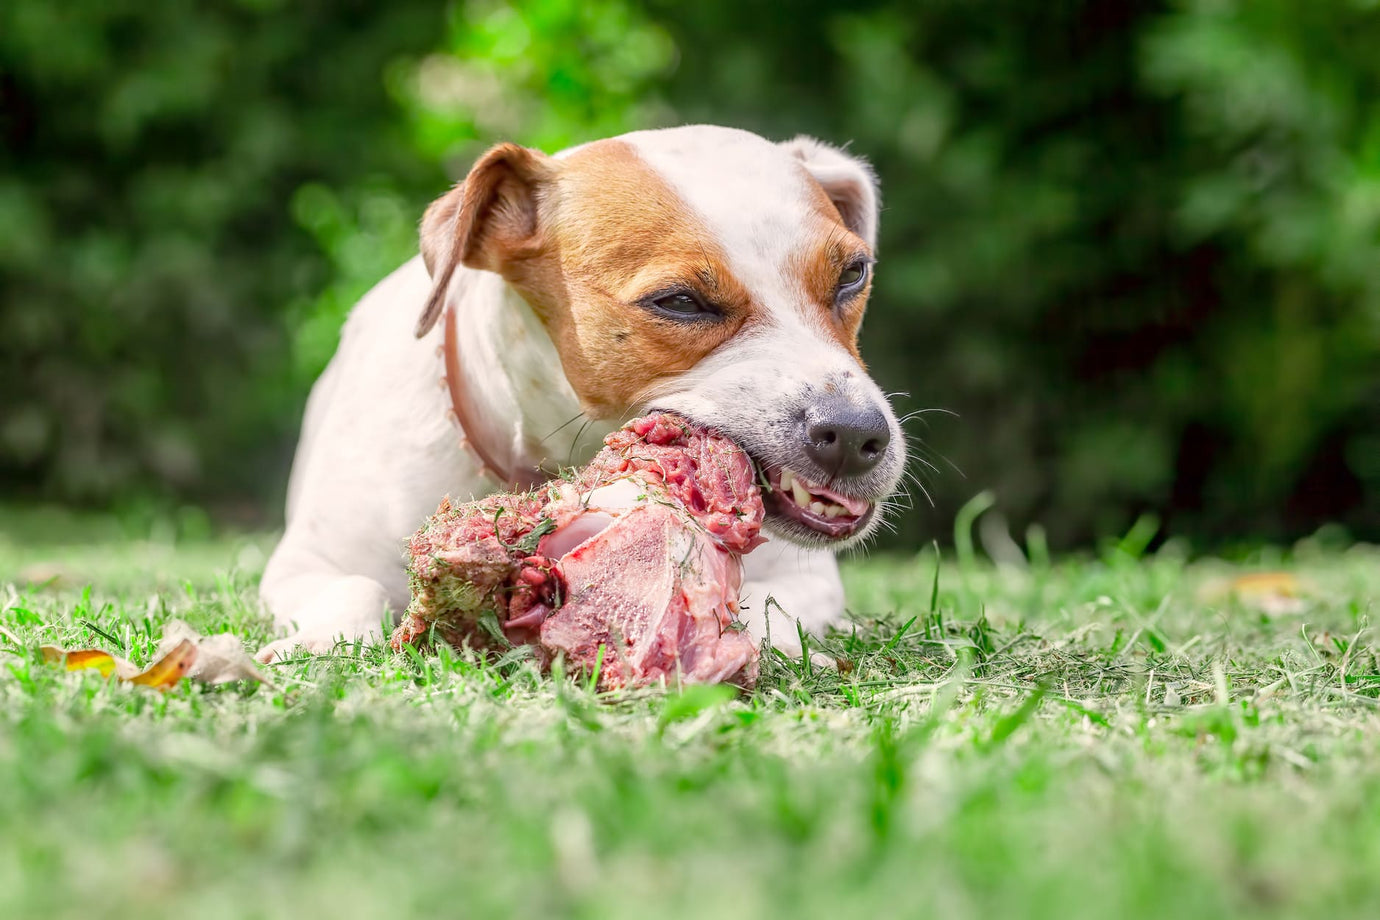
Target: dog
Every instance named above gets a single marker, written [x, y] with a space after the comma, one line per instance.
[699, 270]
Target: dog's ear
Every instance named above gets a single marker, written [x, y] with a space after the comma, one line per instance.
[486, 221]
[849, 182]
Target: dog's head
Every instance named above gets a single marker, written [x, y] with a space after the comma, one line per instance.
[707, 272]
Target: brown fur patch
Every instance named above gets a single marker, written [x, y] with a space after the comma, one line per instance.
[588, 237]
[613, 233]
[833, 248]
[486, 221]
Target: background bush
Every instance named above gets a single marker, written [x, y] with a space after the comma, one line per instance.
[1132, 247]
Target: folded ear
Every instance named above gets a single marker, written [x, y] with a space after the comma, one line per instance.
[486, 221]
[849, 182]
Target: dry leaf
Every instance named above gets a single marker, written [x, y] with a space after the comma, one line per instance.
[1274, 593]
[182, 653]
[1259, 584]
[45, 575]
[82, 659]
[166, 671]
[220, 658]
[169, 669]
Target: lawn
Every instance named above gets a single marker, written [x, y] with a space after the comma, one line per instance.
[1113, 736]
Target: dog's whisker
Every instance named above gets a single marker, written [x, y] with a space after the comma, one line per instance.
[571, 459]
[931, 410]
[923, 462]
[911, 478]
[919, 488]
[920, 452]
[574, 418]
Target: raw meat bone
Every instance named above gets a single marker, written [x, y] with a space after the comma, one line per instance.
[639, 555]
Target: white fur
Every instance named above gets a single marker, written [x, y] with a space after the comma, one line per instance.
[791, 357]
[378, 450]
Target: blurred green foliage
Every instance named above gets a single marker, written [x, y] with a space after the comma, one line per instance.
[1133, 247]
[152, 152]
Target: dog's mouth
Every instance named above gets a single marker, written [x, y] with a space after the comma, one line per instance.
[800, 504]
[797, 507]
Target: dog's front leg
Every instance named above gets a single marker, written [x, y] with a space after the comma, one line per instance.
[321, 609]
[784, 585]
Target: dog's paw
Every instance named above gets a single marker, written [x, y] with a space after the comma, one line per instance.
[314, 642]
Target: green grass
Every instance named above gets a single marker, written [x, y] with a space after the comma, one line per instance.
[1093, 738]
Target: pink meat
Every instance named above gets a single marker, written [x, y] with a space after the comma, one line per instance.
[705, 473]
[634, 567]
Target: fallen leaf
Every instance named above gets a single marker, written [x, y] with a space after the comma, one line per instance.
[43, 575]
[164, 673]
[220, 658]
[183, 652]
[1273, 593]
[1257, 584]
[82, 659]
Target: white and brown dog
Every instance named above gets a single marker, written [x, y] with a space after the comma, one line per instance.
[699, 270]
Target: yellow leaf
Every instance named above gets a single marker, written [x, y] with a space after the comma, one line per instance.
[1272, 593]
[219, 659]
[168, 670]
[182, 653]
[81, 659]
[1266, 584]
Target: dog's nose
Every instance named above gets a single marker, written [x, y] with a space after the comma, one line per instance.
[845, 439]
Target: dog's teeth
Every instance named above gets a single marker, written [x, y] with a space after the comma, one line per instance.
[787, 477]
[817, 507]
[833, 511]
[802, 497]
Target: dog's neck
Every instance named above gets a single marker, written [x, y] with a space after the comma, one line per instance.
[518, 411]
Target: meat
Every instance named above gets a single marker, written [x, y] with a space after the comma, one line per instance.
[631, 567]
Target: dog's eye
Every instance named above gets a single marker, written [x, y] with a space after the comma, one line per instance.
[683, 305]
[852, 279]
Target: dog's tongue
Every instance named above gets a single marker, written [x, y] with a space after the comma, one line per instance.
[856, 507]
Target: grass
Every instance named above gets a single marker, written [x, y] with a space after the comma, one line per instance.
[1097, 737]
